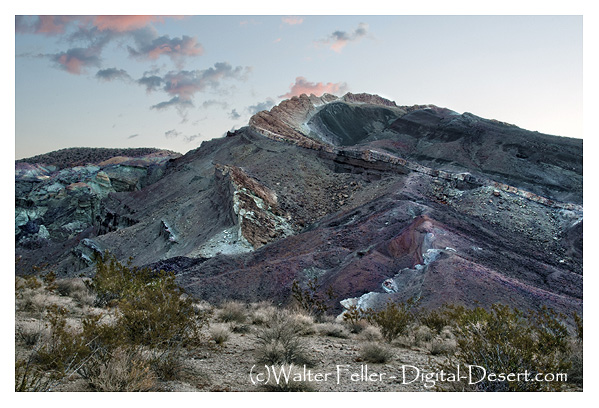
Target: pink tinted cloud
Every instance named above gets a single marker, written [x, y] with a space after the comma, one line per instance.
[124, 23]
[186, 46]
[302, 86]
[71, 63]
[292, 20]
[52, 24]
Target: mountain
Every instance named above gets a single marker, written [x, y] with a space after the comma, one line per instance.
[378, 201]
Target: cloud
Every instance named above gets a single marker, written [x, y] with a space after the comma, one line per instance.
[95, 32]
[292, 20]
[124, 23]
[171, 134]
[234, 114]
[339, 39]
[183, 85]
[152, 82]
[302, 86]
[213, 102]
[150, 46]
[175, 101]
[76, 60]
[55, 25]
[110, 74]
[46, 25]
[266, 105]
[189, 139]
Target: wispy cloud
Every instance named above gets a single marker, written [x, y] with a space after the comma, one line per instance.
[260, 106]
[303, 86]
[173, 102]
[213, 102]
[234, 114]
[292, 20]
[110, 74]
[339, 39]
[149, 46]
[95, 32]
[183, 85]
[75, 60]
[173, 134]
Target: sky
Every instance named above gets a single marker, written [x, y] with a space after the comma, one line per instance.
[174, 81]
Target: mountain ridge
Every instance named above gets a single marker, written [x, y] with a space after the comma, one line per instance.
[357, 191]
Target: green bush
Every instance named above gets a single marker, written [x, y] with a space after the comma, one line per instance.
[506, 340]
[393, 320]
[150, 313]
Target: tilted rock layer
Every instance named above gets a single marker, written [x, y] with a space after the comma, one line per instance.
[378, 201]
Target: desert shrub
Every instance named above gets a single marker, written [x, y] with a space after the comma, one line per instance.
[126, 370]
[393, 320]
[220, 334]
[443, 347]
[506, 340]
[158, 316]
[279, 342]
[370, 334]
[578, 327]
[289, 379]
[434, 319]
[31, 378]
[354, 319]
[152, 309]
[167, 364]
[333, 330]
[232, 312]
[310, 299]
[151, 312]
[305, 323]
[30, 333]
[77, 289]
[65, 349]
[50, 281]
[423, 335]
[375, 353]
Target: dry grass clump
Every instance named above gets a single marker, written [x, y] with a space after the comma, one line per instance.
[423, 336]
[232, 312]
[333, 330]
[219, 334]
[125, 371]
[76, 288]
[279, 341]
[31, 332]
[375, 353]
[304, 322]
[446, 347]
[370, 333]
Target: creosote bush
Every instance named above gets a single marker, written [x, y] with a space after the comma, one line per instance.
[393, 320]
[506, 340]
[150, 312]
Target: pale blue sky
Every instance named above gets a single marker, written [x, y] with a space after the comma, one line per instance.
[525, 70]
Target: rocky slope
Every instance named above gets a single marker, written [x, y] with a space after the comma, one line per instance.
[377, 201]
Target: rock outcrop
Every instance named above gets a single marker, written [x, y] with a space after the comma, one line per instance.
[378, 201]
